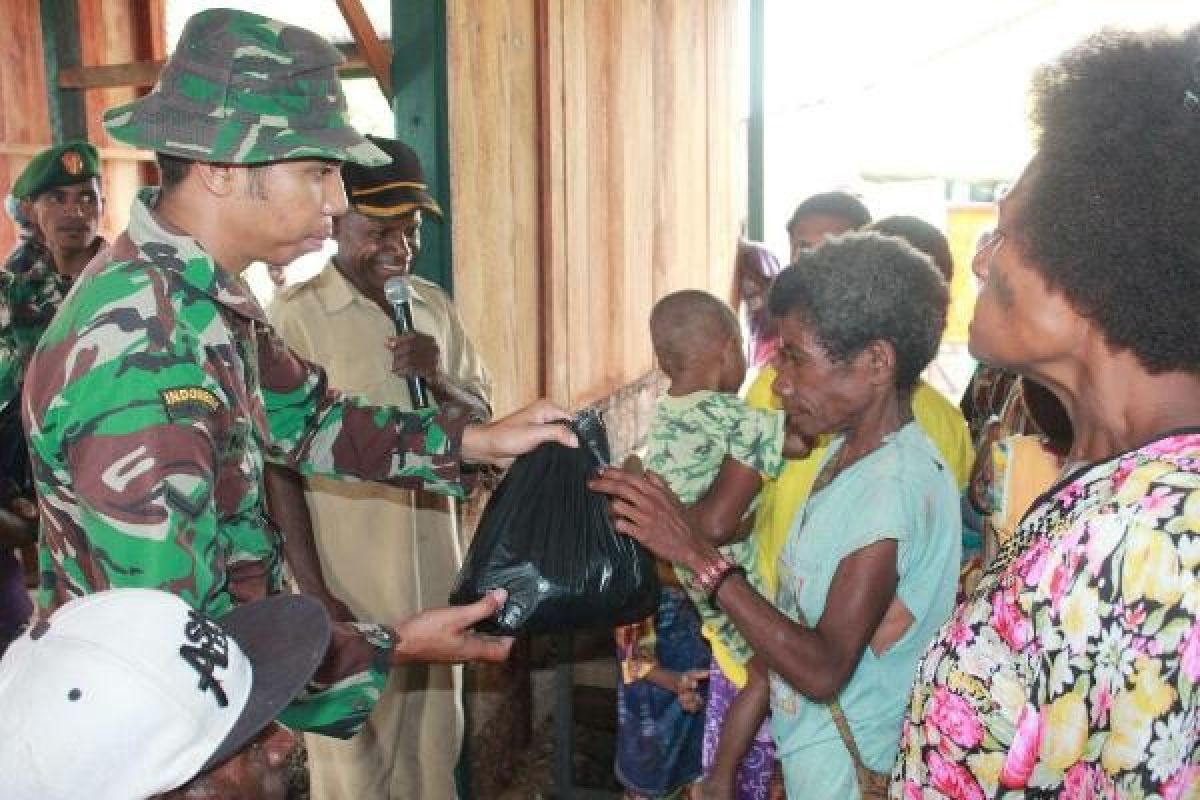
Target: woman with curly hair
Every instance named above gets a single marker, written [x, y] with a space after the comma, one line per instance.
[1071, 670]
[869, 572]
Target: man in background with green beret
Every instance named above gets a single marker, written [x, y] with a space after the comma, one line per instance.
[57, 197]
[160, 389]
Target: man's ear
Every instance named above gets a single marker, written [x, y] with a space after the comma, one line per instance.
[879, 360]
[26, 208]
[219, 179]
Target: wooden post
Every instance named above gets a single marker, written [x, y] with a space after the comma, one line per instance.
[377, 54]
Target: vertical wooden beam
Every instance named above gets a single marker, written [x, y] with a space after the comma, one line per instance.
[60, 35]
[376, 53]
[419, 75]
[755, 211]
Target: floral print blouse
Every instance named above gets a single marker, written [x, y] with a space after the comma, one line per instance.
[1071, 671]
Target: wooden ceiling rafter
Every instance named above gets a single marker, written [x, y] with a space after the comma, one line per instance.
[374, 50]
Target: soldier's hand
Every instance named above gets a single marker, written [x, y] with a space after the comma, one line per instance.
[500, 441]
[444, 635]
[414, 354]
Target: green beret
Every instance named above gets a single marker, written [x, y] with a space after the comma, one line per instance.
[61, 165]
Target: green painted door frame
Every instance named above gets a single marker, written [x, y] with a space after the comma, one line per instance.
[755, 156]
[419, 70]
[60, 48]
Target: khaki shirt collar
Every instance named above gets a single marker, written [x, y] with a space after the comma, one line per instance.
[335, 293]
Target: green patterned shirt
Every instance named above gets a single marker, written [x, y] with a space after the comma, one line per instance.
[689, 438]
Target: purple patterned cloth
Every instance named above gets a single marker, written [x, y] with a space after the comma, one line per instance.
[754, 773]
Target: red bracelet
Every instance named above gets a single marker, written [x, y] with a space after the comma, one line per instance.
[711, 574]
[737, 569]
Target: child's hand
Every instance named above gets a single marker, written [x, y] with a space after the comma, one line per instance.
[688, 689]
[795, 444]
[691, 701]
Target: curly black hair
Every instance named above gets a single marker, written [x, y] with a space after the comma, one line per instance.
[858, 288]
[842, 205]
[921, 235]
[1111, 208]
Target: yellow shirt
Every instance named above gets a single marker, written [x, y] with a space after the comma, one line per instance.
[781, 498]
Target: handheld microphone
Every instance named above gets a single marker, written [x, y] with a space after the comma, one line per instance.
[398, 296]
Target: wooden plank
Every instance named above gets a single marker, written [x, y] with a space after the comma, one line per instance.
[591, 306]
[22, 75]
[22, 96]
[378, 55]
[634, 46]
[552, 215]
[726, 139]
[577, 264]
[492, 67]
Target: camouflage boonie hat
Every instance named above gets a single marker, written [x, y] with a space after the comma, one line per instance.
[245, 89]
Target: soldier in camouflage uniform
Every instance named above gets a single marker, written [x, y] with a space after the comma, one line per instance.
[159, 389]
[56, 201]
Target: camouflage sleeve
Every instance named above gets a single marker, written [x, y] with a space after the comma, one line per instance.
[318, 430]
[350, 681]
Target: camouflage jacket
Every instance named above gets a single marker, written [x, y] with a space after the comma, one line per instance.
[28, 301]
[28, 252]
[150, 405]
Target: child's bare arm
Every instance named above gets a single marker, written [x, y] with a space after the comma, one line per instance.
[683, 684]
[718, 514]
[796, 444]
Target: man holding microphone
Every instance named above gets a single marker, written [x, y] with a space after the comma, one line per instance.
[371, 551]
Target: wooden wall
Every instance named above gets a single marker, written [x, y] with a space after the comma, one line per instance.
[597, 158]
[24, 121]
[111, 32]
[597, 153]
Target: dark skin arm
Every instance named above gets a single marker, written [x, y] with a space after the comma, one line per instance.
[816, 660]
[18, 523]
[684, 685]
[289, 510]
[718, 515]
[417, 353]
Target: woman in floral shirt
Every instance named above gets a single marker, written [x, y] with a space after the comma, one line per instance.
[1071, 670]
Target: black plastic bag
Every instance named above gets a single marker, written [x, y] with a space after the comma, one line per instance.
[549, 540]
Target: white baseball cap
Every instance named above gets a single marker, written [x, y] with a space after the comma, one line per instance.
[128, 693]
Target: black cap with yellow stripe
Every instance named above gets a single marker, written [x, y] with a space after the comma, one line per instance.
[392, 189]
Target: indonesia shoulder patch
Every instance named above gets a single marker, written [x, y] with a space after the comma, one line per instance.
[189, 402]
